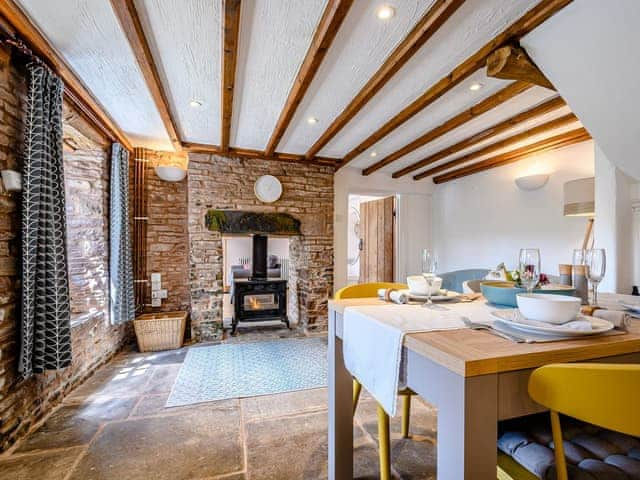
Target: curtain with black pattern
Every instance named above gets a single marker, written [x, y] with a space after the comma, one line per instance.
[120, 266]
[45, 322]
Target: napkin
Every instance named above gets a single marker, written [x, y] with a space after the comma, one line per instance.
[620, 320]
[579, 325]
[393, 295]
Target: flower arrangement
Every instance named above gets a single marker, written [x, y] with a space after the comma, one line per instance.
[514, 276]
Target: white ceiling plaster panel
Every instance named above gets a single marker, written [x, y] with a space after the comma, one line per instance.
[362, 44]
[473, 25]
[520, 103]
[274, 38]
[185, 40]
[456, 101]
[529, 141]
[88, 36]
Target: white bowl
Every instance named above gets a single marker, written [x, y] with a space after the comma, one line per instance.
[548, 308]
[418, 285]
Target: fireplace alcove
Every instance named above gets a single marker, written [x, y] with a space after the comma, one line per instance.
[256, 268]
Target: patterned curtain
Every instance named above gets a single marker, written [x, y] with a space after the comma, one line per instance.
[120, 268]
[46, 325]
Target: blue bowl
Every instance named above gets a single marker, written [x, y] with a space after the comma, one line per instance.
[504, 293]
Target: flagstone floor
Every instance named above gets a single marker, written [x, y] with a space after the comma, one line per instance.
[115, 426]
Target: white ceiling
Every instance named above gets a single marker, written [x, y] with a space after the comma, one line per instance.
[88, 36]
[185, 40]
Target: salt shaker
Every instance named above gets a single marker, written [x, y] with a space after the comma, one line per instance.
[580, 283]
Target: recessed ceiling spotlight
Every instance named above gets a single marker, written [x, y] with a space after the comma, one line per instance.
[312, 120]
[475, 86]
[373, 154]
[195, 104]
[385, 12]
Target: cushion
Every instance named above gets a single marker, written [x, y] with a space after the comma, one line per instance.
[592, 453]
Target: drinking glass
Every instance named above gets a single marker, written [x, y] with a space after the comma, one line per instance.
[529, 268]
[429, 267]
[596, 262]
[579, 256]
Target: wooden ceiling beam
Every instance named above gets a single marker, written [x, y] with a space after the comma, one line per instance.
[512, 63]
[563, 140]
[230, 36]
[530, 20]
[478, 109]
[129, 20]
[506, 143]
[334, 14]
[191, 147]
[505, 125]
[423, 30]
[75, 91]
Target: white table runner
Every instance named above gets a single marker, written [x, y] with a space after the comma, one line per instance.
[373, 336]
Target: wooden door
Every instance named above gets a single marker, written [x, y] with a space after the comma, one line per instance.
[376, 234]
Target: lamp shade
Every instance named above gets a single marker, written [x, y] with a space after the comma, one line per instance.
[579, 198]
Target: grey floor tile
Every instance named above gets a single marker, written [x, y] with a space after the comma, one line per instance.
[282, 404]
[53, 465]
[197, 444]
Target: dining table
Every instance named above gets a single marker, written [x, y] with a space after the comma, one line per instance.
[474, 379]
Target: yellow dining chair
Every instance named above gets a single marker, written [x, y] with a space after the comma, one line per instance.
[367, 290]
[598, 393]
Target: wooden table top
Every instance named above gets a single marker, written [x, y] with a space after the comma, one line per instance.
[471, 353]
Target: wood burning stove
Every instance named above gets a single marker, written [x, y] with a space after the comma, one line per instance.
[259, 298]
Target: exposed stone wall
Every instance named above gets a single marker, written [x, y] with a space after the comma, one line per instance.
[94, 341]
[227, 183]
[167, 236]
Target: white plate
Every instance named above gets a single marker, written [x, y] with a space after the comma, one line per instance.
[510, 318]
[435, 298]
[634, 307]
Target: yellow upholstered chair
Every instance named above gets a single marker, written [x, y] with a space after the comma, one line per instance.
[367, 290]
[602, 394]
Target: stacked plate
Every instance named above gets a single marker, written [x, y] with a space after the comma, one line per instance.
[550, 315]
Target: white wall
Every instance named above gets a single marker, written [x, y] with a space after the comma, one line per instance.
[413, 220]
[616, 224]
[589, 52]
[484, 219]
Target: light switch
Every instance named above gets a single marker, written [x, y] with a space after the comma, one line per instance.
[156, 302]
[155, 286]
[156, 278]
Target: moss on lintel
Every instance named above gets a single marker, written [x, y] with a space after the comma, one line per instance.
[243, 222]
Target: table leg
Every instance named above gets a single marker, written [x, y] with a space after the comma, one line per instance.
[467, 418]
[340, 408]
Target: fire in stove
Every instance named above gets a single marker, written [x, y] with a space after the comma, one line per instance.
[260, 302]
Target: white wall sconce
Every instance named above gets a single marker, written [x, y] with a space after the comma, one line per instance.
[532, 182]
[12, 180]
[170, 173]
[171, 167]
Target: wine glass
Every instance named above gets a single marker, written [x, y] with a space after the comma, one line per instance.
[579, 256]
[596, 262]
[529, 268]
[429, 267]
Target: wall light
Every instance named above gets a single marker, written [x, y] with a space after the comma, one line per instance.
[532, 182]
[171, 167]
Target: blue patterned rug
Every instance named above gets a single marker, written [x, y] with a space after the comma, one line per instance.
[242, 370]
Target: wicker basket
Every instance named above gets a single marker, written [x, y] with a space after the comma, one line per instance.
[160, 331]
